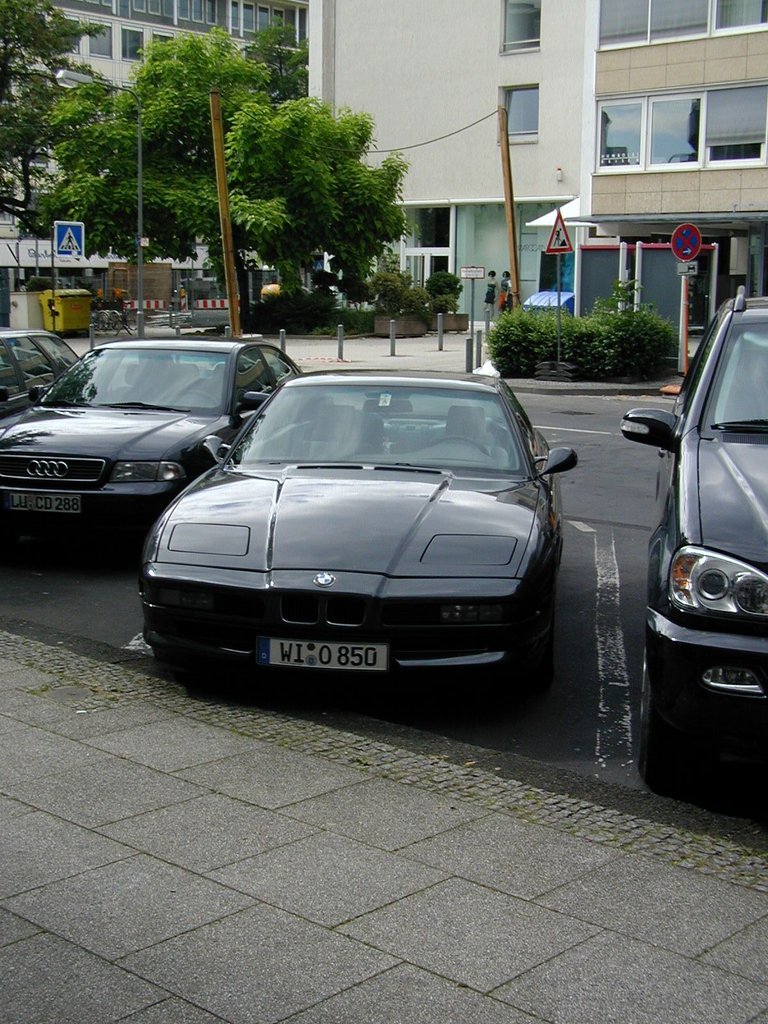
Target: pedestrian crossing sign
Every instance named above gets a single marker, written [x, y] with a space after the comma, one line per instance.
[69, 238]
[559, 242]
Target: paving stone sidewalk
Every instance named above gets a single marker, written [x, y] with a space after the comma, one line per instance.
[167, 858]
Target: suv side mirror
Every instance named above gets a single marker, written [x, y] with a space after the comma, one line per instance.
[650, 426]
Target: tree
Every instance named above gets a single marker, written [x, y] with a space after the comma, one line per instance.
[297, 180]
[36, 40]
[275, 48]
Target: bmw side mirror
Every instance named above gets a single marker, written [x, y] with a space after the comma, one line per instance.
[559, 460]
[37, 391]
[655, 427]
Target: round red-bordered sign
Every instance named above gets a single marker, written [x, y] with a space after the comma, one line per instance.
[686, 242]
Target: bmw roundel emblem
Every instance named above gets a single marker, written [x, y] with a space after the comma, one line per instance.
[324, 579]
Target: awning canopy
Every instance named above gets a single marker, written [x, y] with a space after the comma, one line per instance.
[570, 211]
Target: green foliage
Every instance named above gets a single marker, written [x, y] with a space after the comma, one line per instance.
[604, 345]
[36, 40]
[38, 284]
[388, 288]
[298, 180]
[286, 61]
[296, 313]
[444, 289]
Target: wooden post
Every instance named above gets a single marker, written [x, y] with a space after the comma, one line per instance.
[226, 223]
[509, 208]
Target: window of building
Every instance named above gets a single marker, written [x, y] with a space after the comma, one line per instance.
[522, 24]
[263, 17]
[736, 123]
[522, 105]
[665, 131]
[736, 13]
[124, 8]
[133, 41]
[140, 6]
[640, 21]
[197, 10]
[101, 45]
[184, 9]
[249, 18]
[161, 37]
[301, 24]
[620, 133]
[210, 11]
[234, 15]
[278, 15]
[675, 130]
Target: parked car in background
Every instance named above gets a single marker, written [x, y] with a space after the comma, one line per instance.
[368, 523]
[28, 358]
[705, 685]
[120, 433]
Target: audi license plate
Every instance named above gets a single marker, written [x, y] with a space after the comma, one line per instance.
[311, 654]
[21, 501]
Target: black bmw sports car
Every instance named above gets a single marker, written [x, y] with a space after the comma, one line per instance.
[368, 523]
[119, 434]
[705, 685]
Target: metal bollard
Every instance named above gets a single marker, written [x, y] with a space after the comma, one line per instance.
[282, 339]
[392, 336]
[228, 331]
[468, 356]
[479, 349]
[440, 317]
[340, 339]
[91, 336]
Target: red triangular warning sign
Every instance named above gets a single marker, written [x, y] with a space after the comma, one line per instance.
[559, 241]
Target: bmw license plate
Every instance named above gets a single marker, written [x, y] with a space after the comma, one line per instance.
[312, 654]
[21, 501]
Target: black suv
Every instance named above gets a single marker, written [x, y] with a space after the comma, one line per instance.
[705, 680]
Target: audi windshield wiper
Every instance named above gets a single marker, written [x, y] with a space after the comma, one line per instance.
[757, 426]
[141, 405]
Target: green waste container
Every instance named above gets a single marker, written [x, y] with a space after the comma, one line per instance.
[72, 307]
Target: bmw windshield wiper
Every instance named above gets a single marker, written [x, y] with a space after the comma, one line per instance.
[756, 426]
[64, 402]
[141, 405]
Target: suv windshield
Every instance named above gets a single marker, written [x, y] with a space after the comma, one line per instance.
[740, 391]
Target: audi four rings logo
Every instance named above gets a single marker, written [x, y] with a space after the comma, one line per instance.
[47, 467]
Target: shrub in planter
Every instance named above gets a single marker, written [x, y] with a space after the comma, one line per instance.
[444, 290]
[296, 313]
[395, 297]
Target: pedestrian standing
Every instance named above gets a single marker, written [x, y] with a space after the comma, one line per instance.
[489, 302]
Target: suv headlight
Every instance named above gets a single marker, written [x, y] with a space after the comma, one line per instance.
[701, 580]
[134, 472]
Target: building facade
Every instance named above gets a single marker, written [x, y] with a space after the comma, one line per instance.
[632, 116]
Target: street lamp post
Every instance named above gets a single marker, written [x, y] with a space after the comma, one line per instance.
[69, 80]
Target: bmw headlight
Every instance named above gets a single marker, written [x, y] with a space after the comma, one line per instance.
[137, 472]
[701, 580]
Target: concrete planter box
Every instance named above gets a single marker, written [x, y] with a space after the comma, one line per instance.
[405, 326]
[453, 322]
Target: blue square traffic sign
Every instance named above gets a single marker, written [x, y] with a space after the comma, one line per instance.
[69, 238]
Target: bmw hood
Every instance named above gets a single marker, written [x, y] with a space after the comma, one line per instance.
[733, 497]
[102, 433]
[424, 524]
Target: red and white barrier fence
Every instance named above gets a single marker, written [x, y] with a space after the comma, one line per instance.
[211, 303]
[148, 304]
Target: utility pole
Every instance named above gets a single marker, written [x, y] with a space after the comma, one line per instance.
[224, 217]
[509, 208]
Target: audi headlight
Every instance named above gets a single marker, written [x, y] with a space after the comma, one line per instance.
[135, 472]
[701, 580]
